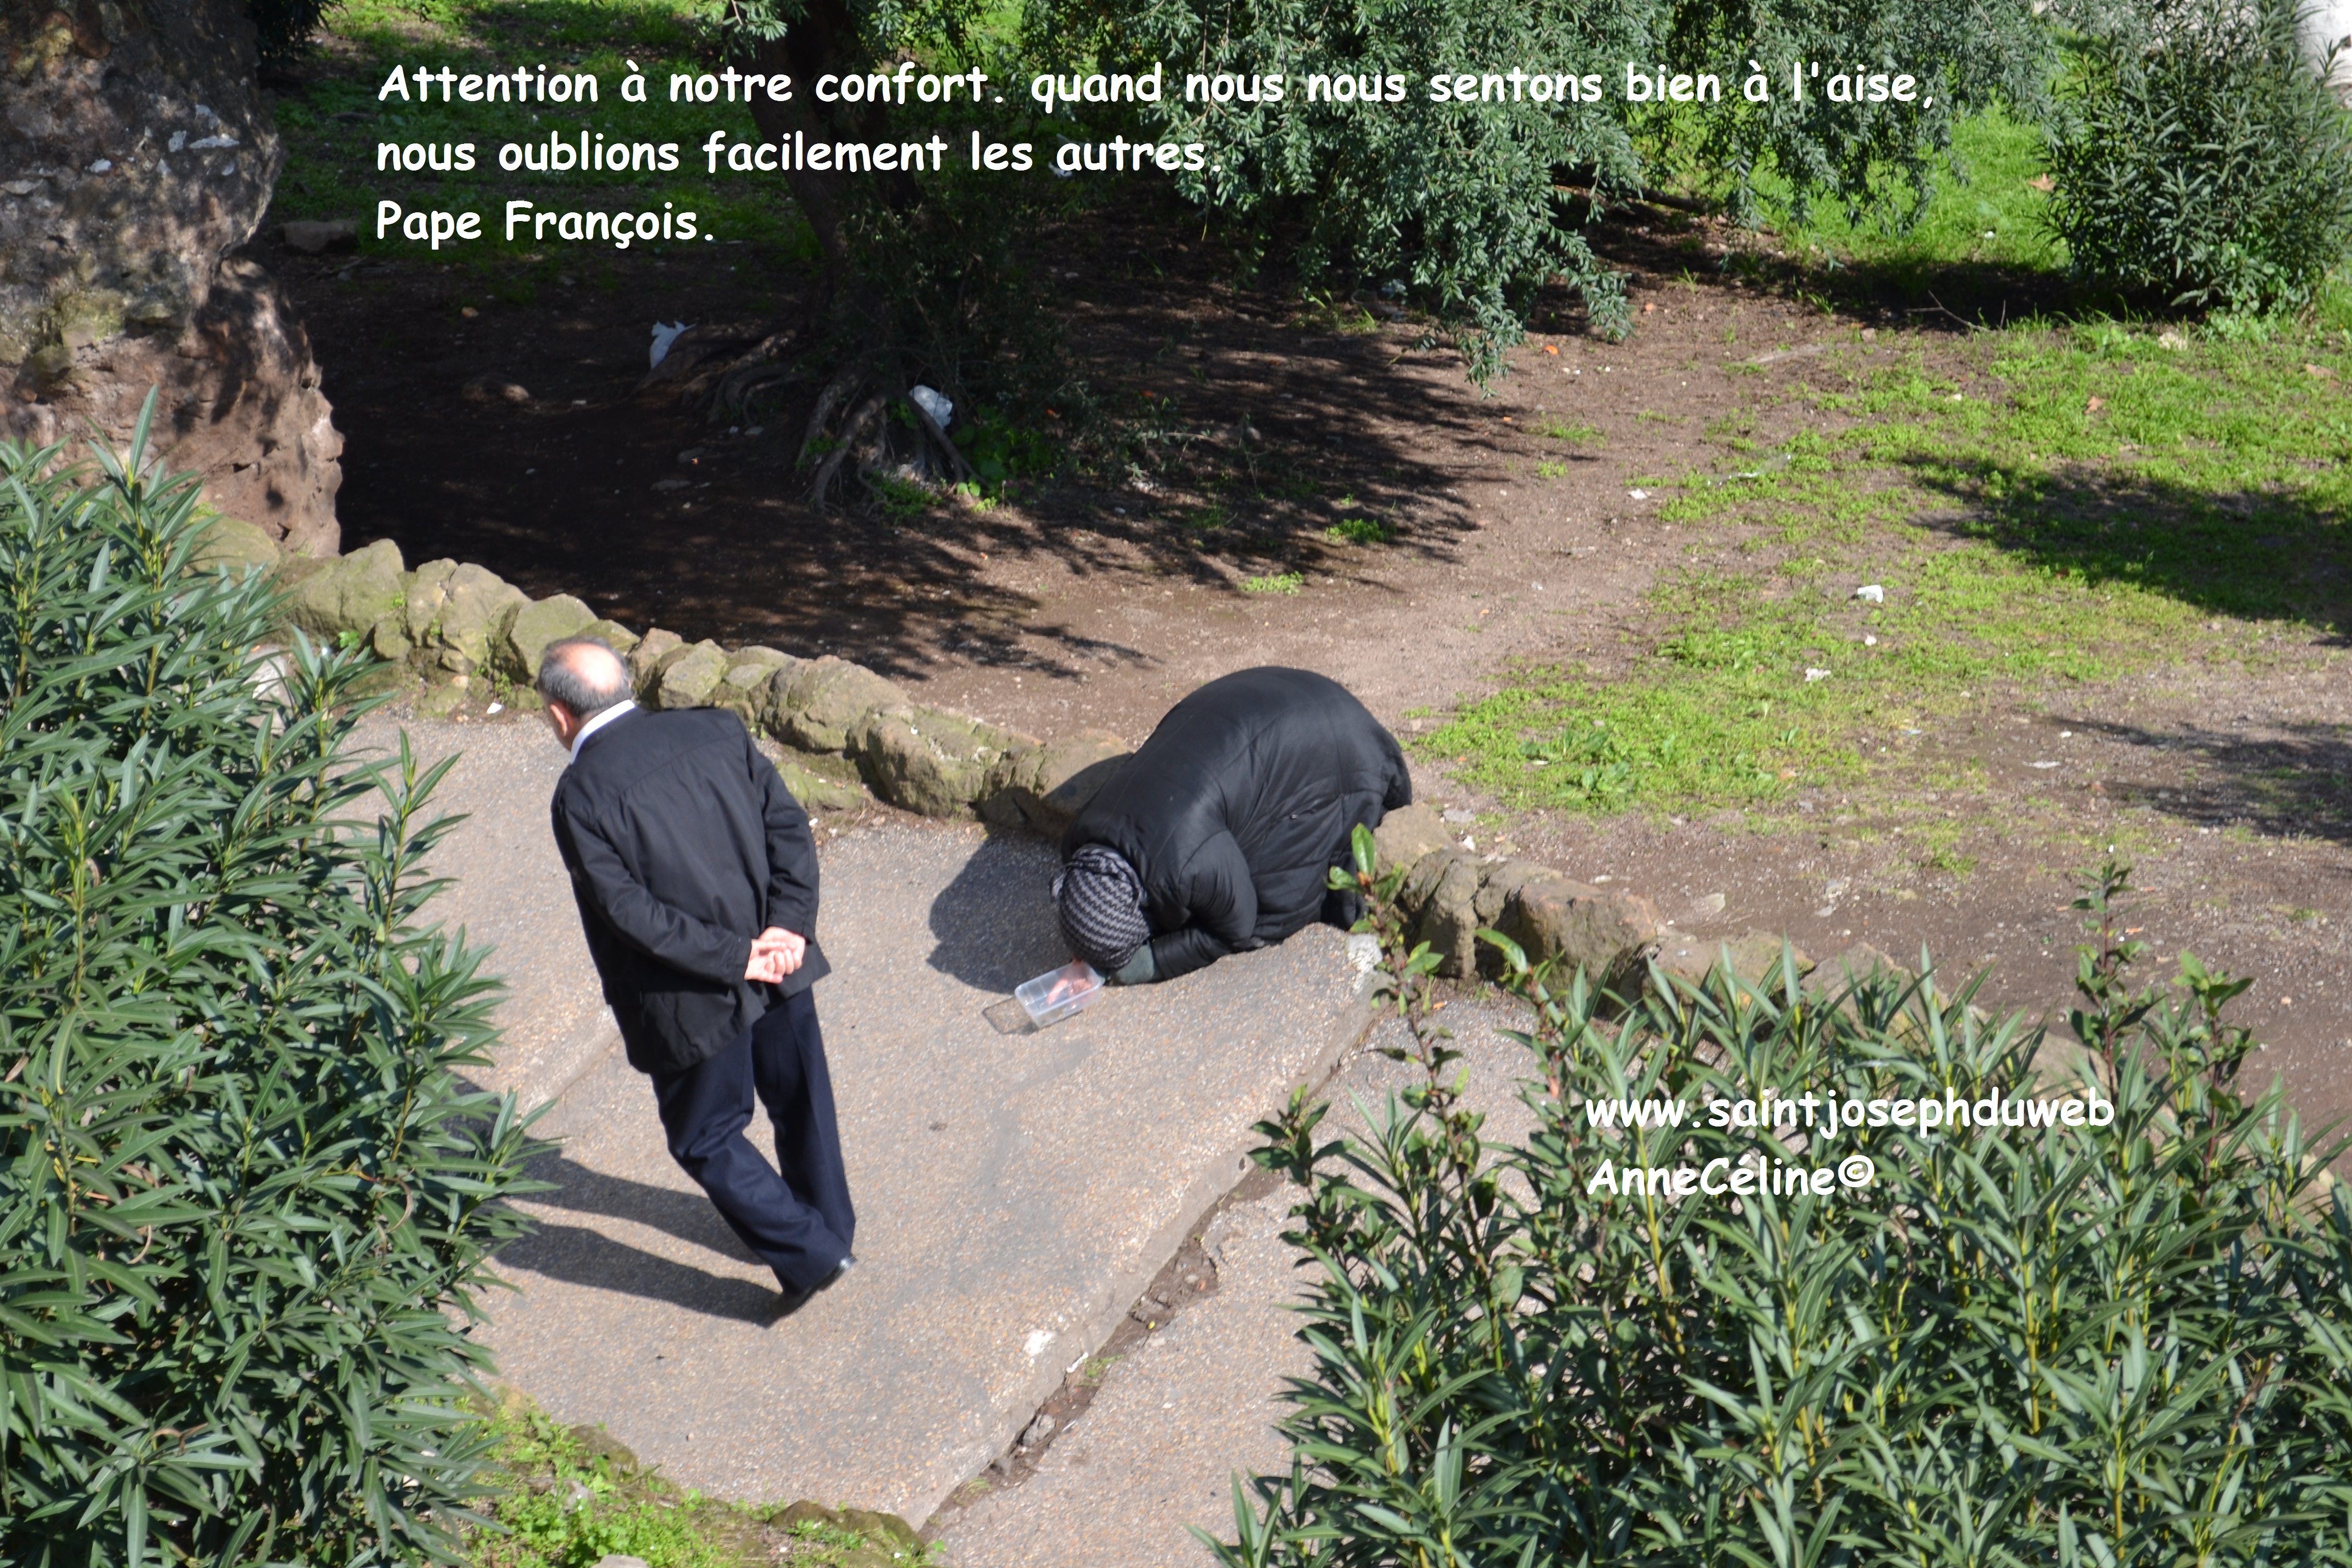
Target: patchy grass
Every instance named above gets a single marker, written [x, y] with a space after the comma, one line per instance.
[566, 1497]
[332, 129]
[1283, 583]
[1360, 530]
[2049, 506]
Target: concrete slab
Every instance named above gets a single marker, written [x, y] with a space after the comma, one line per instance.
[1015, 1192]
[508, 890]
[1173, 1422]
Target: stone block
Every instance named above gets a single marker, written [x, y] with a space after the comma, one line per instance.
[690, 676]
[926, 760]
[389, 637]
[440, 701]
[1040, 788]
[1440, 896]
[1751, 956]
[477, 607]
[1499, 881]
[236, 544]
[754, 664]
[612, 633]
[748, 687]
[1861, 961]
[427, 593]
[457, 613]
[1410, 832]
[1606, 933]
[827, 698]
[821, 782]
[535, 625]
[645, 659]
[351, 594]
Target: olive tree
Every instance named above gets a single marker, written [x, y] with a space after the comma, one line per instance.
[1464, 209]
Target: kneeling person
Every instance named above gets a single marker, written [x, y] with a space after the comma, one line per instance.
[1220, 833]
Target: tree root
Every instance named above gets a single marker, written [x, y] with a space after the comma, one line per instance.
[718, 369]
[868, 435]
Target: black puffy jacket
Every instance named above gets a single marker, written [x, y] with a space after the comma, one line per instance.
[1239, 804]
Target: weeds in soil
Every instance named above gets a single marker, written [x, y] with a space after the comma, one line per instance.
[1360, 530]
[1282, 583]
[567, 1497]
[1576, 435]
[2115, 504]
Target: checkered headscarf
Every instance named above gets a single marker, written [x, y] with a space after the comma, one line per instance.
[1101, 904]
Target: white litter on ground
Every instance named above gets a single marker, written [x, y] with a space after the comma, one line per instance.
[665, 334]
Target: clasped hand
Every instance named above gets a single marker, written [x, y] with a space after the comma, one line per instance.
[775, 953]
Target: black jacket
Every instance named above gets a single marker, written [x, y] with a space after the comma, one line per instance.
[1239, 804]
[683, 845]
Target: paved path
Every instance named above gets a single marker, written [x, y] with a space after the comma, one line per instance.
[508, 890]
[1014, 1192]
[1158, 1448]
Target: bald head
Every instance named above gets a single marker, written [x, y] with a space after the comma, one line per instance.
[583, 674]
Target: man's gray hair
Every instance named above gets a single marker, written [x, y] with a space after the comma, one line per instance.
[586, 691]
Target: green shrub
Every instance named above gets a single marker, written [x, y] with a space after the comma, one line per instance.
[2021, 1345]
[2199, 160]
[244, 1198]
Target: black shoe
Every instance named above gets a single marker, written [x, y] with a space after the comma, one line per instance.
[790, 1300]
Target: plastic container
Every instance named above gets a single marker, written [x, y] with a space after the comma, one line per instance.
[1058, 993]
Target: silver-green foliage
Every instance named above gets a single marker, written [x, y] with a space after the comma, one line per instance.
[1457, 205]
[2020, 1346]
[2198, 159]
[1473, 207]
[244, 1198]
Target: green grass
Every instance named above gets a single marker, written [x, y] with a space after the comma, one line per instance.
[566, 1497]
[2024, 541]
[1283, 583]
[1360, 530]
[333, 128]
[1985, 212]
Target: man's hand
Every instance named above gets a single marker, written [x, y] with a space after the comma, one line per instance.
[775, 953]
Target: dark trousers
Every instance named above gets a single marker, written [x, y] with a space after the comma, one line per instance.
[800, 1223]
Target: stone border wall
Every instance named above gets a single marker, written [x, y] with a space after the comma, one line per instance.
[845, 736]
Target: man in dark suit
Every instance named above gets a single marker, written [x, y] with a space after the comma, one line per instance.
[1220, 833]
[697, 881]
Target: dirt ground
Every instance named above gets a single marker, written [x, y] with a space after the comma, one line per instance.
[1097, 605]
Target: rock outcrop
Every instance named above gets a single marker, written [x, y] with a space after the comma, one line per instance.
[1449, 895]
[136, 154]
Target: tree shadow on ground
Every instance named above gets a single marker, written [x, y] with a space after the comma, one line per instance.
[1212, 434]
[994, 924]
[2249, 553]
[2295, 785]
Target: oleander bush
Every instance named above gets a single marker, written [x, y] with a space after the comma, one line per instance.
[2198, 159]
[245, 1200]
[2126, 1344]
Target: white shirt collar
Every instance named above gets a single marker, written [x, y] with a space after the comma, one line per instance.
[598, 723]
